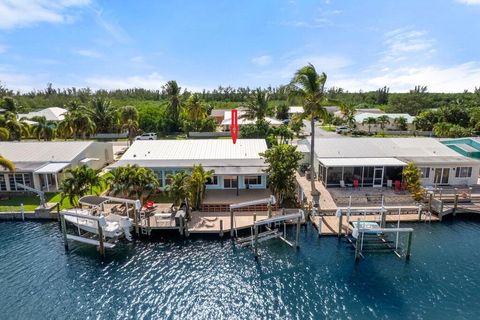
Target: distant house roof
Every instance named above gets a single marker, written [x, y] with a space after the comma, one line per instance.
[58, 151]
[218, 112]
[227, 119]
[50, 114]
[295, 109]
[244, 156]
[419, 150]
[362, 116]
[369, 110]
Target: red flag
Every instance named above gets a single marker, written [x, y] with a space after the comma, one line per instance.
[234, 126]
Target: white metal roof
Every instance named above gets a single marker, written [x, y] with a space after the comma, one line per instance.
[58, 151]
[51, 114]
[53, 167]
[360, 162]
[227, 119]
[186, 153]
[359, 117]
[295, 109]
[404, 149]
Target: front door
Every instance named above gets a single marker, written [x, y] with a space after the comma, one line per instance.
[441, 175]
[230, 182]
[378, 177]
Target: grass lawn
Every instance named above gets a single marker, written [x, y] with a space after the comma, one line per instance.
[31, 201]
[328, 127]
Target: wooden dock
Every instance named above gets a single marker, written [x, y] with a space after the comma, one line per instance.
[330, 227]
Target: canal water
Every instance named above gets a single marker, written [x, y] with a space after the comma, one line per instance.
[211, 279]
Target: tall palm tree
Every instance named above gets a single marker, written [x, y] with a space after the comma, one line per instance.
[196, 185]
[43, 129]
[309, 86]
[7, 164]
[83, 124]
[79, 182]
[129, 117]
[257, 105]
[177, 187]
[132, 181]
[401, 123]
[103, 114]
[172, 92]
[383, 121]
[196, 111]
[370, 121]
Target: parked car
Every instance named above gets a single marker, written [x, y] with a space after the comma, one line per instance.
[147, 136]
[342, 129]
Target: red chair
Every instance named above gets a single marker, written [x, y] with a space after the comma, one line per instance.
[355, 183]
[149, 204]
[398, 185]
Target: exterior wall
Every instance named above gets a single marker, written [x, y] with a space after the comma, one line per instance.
[452, 179]
[101, 150]
[377, 128]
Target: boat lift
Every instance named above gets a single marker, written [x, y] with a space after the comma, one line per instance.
[268, 201]
[257, 237]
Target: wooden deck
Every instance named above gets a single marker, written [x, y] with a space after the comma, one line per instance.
[330, 223]
[326, 201]
[202, 222]
[229, 196]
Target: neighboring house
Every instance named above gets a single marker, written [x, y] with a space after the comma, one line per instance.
[392, 125]
[469, 147]
[235, 166]
[375, 161]
[294, 110]
[242, 121]
[41, 165]
[218, 115]
[50, 114]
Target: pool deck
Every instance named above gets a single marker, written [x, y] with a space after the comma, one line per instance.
[330, 225]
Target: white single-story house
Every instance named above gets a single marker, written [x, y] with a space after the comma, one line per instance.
[41, 165]
[392, 125]
[294, 110]
[50, 114]
[227, 120]
[235, 166]
[377, 162]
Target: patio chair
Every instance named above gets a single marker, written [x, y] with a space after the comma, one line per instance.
[342, 183]
[389, 183]
[355, 184]
[398, 185]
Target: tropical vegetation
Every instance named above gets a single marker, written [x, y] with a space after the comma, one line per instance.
[79, 181]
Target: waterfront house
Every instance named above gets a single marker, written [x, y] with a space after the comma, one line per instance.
[50, 114]
[379, 162]
[41, 165]
[392, 125]
[243, 121]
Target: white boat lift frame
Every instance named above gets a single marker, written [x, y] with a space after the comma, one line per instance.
[268, 201]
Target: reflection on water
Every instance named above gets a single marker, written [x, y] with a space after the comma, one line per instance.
[210, 278]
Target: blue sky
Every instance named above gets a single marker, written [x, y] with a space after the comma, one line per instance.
[361, 45]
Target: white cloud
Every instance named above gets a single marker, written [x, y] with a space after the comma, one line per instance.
[89, 53]
[469, 2]
[403, 43]
[454, 78]
[20, 13]
[151, 81]
[113, 28]
[262, 60]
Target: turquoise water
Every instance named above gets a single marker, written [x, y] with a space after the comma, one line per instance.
[211, 279]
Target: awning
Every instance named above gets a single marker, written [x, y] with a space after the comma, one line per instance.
[93, 200]
[361, 162]
[87, 160]
[52, 167]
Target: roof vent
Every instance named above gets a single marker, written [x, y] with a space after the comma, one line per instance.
[134, 155]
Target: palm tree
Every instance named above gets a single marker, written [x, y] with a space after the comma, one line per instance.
[132, 181]
[43, 129]
[401, 123]
[383, 121]
[4, 134]
[83, 124]
[79, 182]
[196, 111]
[129, 118]
[177, 187]
[369, 121]
[172, 91]
[7, 164]
[309, 87]
[196, 185]
[257, 105]
[65, 128]
[103, 114]
[17, 129]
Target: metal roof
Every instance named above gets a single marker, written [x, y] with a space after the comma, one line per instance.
[57, 151]
[50, 114]
[237, 170]
[53, 167]
[361, 162]
[359, 117]
[187, 153]
[26, 166]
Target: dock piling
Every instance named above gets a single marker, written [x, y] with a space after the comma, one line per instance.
[297, 236]
[409, 245]
[64, 231]
[100, 239]
[231, 222]
[221, 228]
[320, 221]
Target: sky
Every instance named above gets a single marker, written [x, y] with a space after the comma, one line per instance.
[361, 45]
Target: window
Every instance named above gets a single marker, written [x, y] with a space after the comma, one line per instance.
[463, 172]
[230, 182]
[212, 181]
[23, 178]
[3, 184]
[253, 180]
[424, 172]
